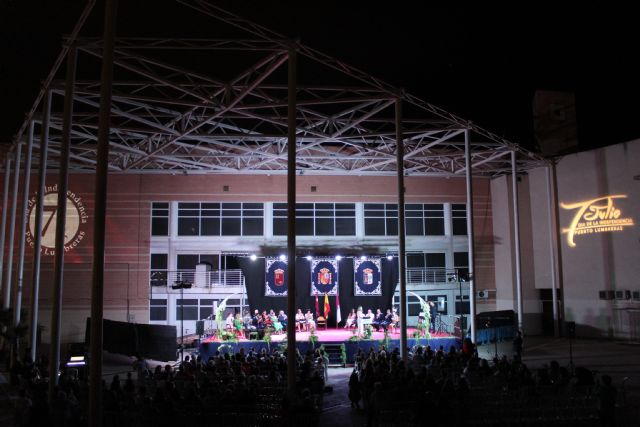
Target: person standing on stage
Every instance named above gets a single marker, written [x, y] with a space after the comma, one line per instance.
[433, 312]
[359, 316]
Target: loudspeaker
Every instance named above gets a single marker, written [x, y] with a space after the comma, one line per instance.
[570, 329]
[200, 327]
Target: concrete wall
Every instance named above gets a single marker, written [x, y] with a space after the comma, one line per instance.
[599, 261]
[129, 244]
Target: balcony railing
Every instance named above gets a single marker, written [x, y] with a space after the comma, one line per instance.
[191, 279]
[416, 276]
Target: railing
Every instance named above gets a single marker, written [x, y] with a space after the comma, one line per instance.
[191, 278]
[416, 276]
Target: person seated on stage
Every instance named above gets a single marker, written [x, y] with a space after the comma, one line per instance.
[351, 319]
[238, 325]
[369, 316]
[395, 320]
[300, 320]
[277, 326]
[247, 320]
[310, 322]
[388, 319]
[258, 322]
[377, 320]
[282, 318]
[228, 324]
[266, 319]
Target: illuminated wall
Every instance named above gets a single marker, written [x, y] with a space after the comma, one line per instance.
[599, 211]
[129, 244]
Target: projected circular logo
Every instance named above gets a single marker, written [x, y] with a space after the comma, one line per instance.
[76, 217]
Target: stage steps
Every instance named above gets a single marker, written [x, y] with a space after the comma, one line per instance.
[334, 351]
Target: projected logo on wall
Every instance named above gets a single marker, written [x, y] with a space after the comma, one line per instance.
[74, 231]
[595, 216]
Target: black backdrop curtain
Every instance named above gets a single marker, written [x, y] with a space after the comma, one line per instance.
[254, 273]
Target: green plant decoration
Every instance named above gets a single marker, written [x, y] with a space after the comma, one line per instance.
[313, 339]
[368, 332]
[424, 327]
[384, 343]
[354, 338]
[343, 354]
[267, 338]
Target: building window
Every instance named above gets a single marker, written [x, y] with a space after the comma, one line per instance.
[381, 219]
[459, 219]
[187, 309]
[317, 219]
[159, 219]
[206, 308]
[158, 310]
[158, 274]
[426, 267]
[424, 219]
[220, 219]
[461, 264]
[189, 261]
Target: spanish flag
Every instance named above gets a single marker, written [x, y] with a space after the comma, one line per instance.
[327, 307]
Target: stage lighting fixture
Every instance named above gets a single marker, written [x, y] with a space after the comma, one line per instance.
[389, 257]
[309, 257]
[338, 257]
[283, 257]
[363, 257]
[253, 257]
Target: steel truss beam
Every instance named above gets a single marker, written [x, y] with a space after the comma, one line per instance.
[174, 113]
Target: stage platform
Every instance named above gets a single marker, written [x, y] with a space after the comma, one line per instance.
[209, 346]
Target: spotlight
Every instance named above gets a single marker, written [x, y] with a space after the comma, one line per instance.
[363, 257]
[253, 257]
[389, 257]
[309, 257]
[338, 257]
[283, 257]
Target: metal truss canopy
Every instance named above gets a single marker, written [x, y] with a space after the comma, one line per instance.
[218, 106]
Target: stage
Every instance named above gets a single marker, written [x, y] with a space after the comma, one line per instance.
[329, 337]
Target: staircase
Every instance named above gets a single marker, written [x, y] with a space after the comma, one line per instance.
[334, 351]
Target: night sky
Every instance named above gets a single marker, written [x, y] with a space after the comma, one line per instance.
[482, 64]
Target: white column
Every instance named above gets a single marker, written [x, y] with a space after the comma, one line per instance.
[516, 233]
[553, 258]
[472, 281]
[23, 225]
[5, 206]
[12, 230]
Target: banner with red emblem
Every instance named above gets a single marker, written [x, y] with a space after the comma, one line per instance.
[367, 277]
[324, 277]
[276, 278]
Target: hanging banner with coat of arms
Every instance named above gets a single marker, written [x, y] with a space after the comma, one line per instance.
[367, 277]
[324, 277]
[276, 278]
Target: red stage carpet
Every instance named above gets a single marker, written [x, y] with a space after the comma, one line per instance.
[337, 335]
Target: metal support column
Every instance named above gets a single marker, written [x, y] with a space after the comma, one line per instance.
[99, 225]
[470, 238]
[516, 234]
[553, 249]
[24, 220]
[61, 216]
[5, 206]
[401, 232]
[37, 226]
[291, 225]
[6, 303]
